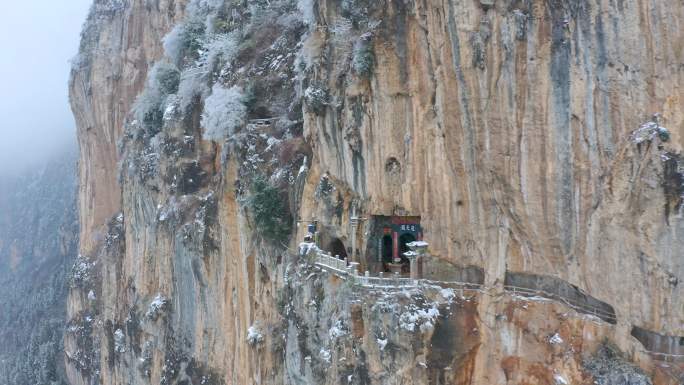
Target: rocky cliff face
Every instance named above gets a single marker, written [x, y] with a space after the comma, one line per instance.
[521, 133]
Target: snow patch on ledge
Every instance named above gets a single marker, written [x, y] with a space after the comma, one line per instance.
[254, 335]
[555, 339]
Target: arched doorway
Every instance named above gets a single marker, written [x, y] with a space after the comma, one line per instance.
[387, 248]
[336, 248]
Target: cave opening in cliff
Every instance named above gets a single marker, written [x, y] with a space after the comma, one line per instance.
[336, 247]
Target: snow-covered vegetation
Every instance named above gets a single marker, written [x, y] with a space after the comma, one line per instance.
[325, 355]
[149, 107]
[325, 187]
[254, 335]
[157, 307]
[185, 39]
[422, 317]
[555, 339]
[649, 130]
[271, 215]
[218, 49]
[609, 367]
[363, 59]
[339, 329]
[100, 11]
[119, 341]
[81, 272]
[224, 112]
[382, 343]
[316, 98]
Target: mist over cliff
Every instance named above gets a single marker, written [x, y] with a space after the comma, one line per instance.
[38, 187]
[40, 38]
[38, 244]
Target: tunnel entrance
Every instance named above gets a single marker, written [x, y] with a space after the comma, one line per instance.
[658, 343]
[336, 248]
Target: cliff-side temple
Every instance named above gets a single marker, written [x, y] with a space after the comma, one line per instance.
[387, 242]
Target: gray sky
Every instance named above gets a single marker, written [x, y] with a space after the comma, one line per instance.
[38, 38]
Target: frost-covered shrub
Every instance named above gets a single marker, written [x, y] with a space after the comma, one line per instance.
[149, 107]
[201, 30]
[316, 98]
[147, 164]
[217, 48]
[167, 78]
[363, 59]
[205, 7]
[324, 188]
[192, 86]
[184, 40]
[115, 231]
[81, 273]
[271, 214]
[224, 112]
[424, 317]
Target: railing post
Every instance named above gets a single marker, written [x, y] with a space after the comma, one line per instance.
[354, 268]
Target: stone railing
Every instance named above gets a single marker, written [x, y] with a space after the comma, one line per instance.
[575, 305]
[329, 262]
[349, 271]
[660, 347]
[391, 280]
[528, 284]
[263, 121]
[666, 357]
